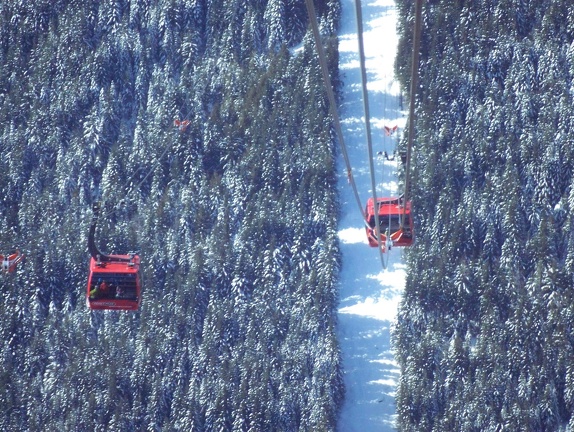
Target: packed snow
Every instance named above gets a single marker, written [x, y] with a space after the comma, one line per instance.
[369, 294]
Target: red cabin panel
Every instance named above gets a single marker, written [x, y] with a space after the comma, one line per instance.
[10, 262]
[391, 211]
[114, 285]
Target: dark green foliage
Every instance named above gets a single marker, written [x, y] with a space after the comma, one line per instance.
[235, 218]
[485, 332]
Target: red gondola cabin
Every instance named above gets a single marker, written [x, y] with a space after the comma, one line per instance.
[114, 284]
[10, 262]
[114, 281]
[391, 211]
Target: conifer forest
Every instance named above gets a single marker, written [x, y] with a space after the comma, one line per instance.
[485, 332]
[235, 216]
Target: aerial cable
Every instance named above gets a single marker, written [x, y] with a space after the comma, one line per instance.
[98, 205]
[126, 186]
[99, 202]
[359, 16]
[413, 91]
[152, 168]
[331, 97]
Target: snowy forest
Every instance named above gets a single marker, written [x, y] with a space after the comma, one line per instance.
[234, 216]
[485, 335]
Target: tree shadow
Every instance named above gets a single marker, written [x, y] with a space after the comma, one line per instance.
[371, 375]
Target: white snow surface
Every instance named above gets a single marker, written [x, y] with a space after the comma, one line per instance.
[369, 294]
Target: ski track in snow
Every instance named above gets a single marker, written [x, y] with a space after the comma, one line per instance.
[369, 295]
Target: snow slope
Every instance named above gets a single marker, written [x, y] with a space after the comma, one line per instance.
[369, 295]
